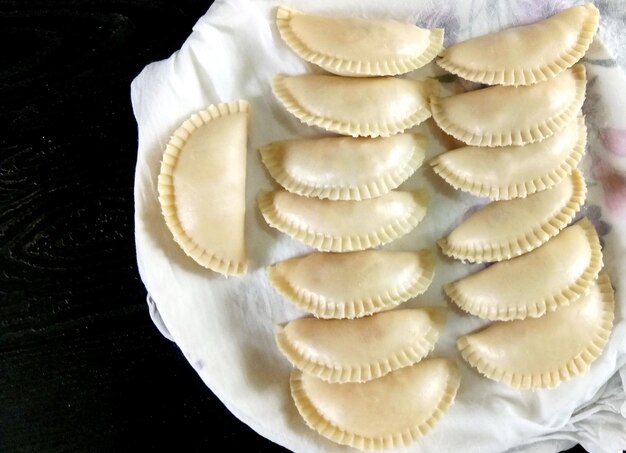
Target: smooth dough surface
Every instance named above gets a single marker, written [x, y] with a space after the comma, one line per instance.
[551, 276]
[505, 229]
[356, 47]
[359, 350]
[543, 352]
[360, 107]
[343, 226]
[202, 186]
[389, 412]
[527, 54]
[503, 115]
[353, 284]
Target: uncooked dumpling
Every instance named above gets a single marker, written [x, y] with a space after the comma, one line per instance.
[359, 350]
[360, 107]
[549, 277]
[527, 54]
[502, 116]
[389, 412]
[508, 228]
[543, 352]
[343, 226]
[514, 171]
[351, 46]
[344, 168]
[354, 284]
[202, 186]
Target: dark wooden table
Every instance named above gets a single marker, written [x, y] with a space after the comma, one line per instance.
[82, 368]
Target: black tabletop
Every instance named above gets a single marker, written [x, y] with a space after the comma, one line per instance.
[82, 367]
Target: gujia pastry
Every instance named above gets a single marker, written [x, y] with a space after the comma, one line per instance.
[502, 116]
[543, 352]
[202, 186]
[508, 228]
[344, 168]
[355, 284]
[388, 412]
[527, 54]
[359, 350]
[357, 47]
[551, 276]
[343, 226]
[514, 171]
[360, 107]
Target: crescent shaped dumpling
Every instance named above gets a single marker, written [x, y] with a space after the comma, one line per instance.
[502, 116]
[508, 228]
[343, 226]
[357, 47]
[389, 412]
[525, 55]
[344, 168]
[514, 171]
[543, 352]
[359, 350]
[551, 276]
[202, 186]
[360, 107]
[355, 284]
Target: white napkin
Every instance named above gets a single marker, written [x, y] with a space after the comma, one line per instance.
[225, 326]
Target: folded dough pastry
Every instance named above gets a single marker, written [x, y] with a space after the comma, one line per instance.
[527, 54]
[555, 274]
[351, 46]
[514, 171]
[343, 226]
[360, 107]
[543, 352]
[202, 186]
[344, 168]
[502, 116]
[359, 350]
[508, 228]
[354, 284]
[388, 412]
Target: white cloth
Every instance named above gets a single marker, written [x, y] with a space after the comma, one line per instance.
[225, 326]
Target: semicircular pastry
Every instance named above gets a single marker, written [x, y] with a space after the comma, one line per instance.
[389, 412]
[343, 226]
[514, 171]
[354, 284]
[344, 168]
[359, 350]
[543, 352]
[508, 228]
[356, 47]
[360, 107]
[527, 54]
[551, 276]
[202, 186]
[504, 115]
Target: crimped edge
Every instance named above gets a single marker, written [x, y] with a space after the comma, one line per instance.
[316, 421]
[354, 67]
[346, 243]
[167, 197]
[529, 76]
[516, 246]
[552, 177]
[367, 129]
[363, 372]
[574, 367]
[321, 307]
[534, 309]
[519, 137]
[371, 189]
